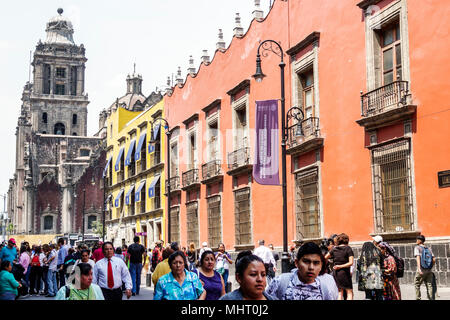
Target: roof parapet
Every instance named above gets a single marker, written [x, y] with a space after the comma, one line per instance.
[238, 30]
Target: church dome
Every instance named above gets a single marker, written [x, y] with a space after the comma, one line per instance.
[59, 30]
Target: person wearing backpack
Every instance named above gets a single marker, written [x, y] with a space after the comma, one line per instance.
[425, 261]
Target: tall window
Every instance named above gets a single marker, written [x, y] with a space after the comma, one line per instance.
[175, 224]
[74, 119]
[60, 89]
[241, 128]
[174, 159]
[307, 205]
[44, 117]
[48, 223]
[391, 53]
[60, 72]
[392, 185]
[214, 222]
[213, 141]
[192, 150]
[192, 223]
[90, 222]
[73, 80]
[307, 83]
[242, 212]
[46, 79]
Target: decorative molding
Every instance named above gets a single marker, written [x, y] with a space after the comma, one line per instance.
[241, 86]
[311, 38]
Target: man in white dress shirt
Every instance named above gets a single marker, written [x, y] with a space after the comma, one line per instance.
[110, 272]
[267, 257]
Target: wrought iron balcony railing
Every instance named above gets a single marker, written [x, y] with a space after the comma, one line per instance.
[174, 183]
[387, 97]
[238, 158]
[190, 177]
[211, 169]
[302, 131]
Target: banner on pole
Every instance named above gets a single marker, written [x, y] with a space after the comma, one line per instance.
[265, 168]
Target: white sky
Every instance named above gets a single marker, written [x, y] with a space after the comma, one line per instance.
[157, 35]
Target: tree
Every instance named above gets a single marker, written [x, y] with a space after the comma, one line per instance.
[97, 227]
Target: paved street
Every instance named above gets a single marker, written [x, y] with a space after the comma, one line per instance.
[408, 293]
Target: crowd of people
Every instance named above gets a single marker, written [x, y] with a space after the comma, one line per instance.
[106, 273]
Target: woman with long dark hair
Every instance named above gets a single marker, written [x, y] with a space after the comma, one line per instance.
[369, 268]
[343, 257]
[211, 280]
[251, 276]
[391, 289]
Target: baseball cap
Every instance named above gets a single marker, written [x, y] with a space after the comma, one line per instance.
[378, 239]
[12, 240]
[205, 244]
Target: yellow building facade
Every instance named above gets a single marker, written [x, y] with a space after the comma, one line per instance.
[135, 176]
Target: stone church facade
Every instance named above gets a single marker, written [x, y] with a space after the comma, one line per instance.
[58, 175]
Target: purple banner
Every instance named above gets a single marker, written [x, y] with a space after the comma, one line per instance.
[265, 168]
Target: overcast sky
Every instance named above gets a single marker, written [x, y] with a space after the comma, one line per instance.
[157, 35]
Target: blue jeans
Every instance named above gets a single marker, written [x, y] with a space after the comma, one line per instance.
[225, 279]
[8, 296]
[135, 272]
[51, 280]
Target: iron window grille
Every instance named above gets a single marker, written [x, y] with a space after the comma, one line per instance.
[192, 223]
[214, 221]
[175, 224]
[243, 222]
[307, 205]
[392, 187]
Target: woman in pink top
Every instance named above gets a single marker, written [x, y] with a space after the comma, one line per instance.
[24, 261]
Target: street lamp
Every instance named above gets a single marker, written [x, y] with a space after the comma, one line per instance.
[153, 141]
[274, 47]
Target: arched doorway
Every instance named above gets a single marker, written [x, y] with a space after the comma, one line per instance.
[59, 129]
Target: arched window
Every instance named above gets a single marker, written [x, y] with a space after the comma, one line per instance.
[48, 223]
[60, 129]
[44, 117]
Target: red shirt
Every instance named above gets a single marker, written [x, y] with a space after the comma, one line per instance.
[98, 255]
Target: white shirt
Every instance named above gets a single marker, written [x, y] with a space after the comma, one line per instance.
[120, 273]
[265, 254]
[54, 263]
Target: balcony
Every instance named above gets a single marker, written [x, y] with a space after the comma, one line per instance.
[211, 171]
[386, 105]
[190, 179]
[174, 184]
[304, 137]
[239, 161]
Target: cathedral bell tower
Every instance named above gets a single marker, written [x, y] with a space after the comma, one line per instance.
[58, 101]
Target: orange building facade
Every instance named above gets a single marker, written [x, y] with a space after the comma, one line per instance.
[370, 156]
